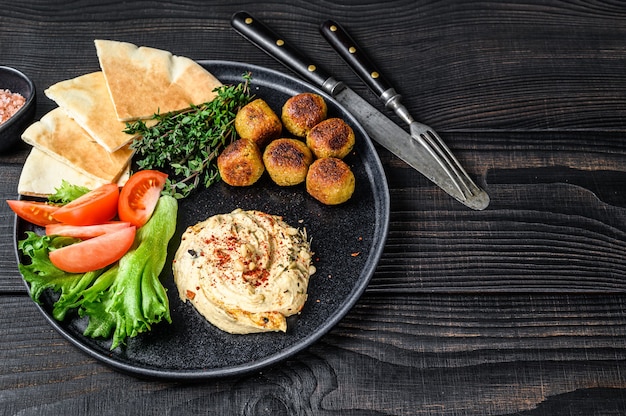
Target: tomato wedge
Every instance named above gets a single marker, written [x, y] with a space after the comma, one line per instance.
[38, 213]
[85, 231]
[140, 195]
[95, 253]
[95, 207]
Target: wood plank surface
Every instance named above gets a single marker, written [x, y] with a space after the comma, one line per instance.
[516, 310]
[392, 355]
[548, 228]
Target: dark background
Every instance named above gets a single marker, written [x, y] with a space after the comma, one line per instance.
[515, 310]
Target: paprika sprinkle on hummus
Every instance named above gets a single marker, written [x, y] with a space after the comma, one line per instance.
[244, 271]
[10, 103]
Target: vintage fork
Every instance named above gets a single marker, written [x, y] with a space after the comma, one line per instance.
[345, 46]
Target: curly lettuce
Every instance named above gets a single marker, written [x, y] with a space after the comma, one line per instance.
[122, 300]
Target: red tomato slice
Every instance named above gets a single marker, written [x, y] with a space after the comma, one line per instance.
[95, 207]
[140, 195]
[95, 253]
[85, 231]
[38, 213]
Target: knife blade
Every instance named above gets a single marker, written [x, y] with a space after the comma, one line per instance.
[379, 127]
[360, 63]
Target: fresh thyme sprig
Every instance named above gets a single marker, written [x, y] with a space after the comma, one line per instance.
[186, 144]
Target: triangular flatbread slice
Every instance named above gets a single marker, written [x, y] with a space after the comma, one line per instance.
[42, 175]
[143, 81]
[63, 139]
[86, 99]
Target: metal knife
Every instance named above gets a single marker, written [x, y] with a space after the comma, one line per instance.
[360, 63]
[417, 154]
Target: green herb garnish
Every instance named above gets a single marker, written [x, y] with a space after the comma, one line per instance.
[186, 144]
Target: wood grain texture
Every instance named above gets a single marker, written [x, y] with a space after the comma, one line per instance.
[540, 233]
[10, 279]
[516, 310]
[392, 355]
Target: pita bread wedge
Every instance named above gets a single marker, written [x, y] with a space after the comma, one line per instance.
[143, 81]
[42, 175]
[86, 99]
[63, 139]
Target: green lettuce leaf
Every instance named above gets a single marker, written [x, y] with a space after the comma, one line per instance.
[122, 300]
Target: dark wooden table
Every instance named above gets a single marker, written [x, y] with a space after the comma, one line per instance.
[516, 310]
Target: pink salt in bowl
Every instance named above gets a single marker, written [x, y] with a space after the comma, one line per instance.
[14, 121]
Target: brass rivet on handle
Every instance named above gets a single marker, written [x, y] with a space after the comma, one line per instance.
[374, 74]
[352, 49]
[280, 42]
[311, 68]
[333, 28]
[248, 20]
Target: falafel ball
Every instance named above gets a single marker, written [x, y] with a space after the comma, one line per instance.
[256, 121]
[302, 112]
[332, 137]
[240, 163]
[330, 180]
[287, 161]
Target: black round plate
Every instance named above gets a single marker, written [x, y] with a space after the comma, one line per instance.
[347, 240]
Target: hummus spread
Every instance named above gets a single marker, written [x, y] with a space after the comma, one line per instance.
[245, 271]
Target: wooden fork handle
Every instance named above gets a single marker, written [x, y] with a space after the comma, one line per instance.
[354, 56]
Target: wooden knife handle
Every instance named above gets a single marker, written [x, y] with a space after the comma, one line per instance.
[275, 46]
[354, 56]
